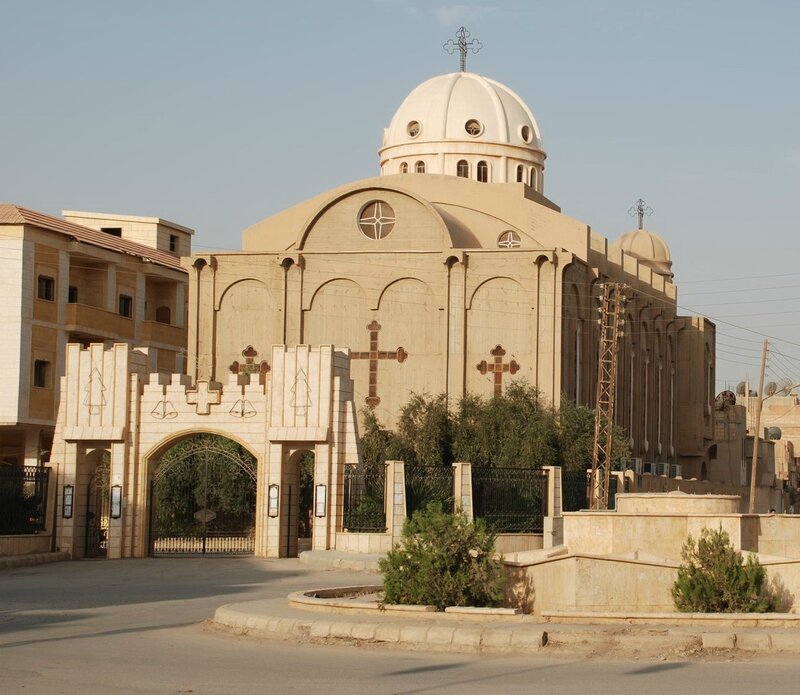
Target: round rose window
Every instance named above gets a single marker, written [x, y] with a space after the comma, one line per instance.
[376, 220]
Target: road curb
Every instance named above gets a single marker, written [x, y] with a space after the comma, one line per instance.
[498, 639]
[14, 561]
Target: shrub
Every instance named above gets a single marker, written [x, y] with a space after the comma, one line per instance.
[713, 578]
[443, 560]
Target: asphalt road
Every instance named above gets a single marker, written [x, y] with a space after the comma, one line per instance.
[136, 626]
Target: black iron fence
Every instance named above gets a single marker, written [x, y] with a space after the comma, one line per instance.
[23, 499]
[364, 504]
[575, 491]
[426, 484]
[510, 500]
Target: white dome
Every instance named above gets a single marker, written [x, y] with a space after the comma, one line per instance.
[464, 117]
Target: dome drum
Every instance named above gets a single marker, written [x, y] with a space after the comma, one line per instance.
[464, 116]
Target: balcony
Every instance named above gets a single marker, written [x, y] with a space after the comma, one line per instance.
[163, 333]
[94, 320]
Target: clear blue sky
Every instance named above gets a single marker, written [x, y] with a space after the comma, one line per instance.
[218, 114]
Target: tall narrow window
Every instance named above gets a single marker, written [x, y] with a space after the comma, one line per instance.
[72, 294]
[578, 360]
[532, 179]
[659, 406]
[645, 400]
[125, 305]
[462, 169]
[403, 167]
[419, 167]
[520, 173]
[631, 390]
[173, 242]
[45, 288]
[672, 411]
[41, 374]
[483, 172]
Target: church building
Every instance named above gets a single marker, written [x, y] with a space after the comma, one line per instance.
[451, 272]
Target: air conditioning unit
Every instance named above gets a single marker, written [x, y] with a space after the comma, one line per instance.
[674, 470]
[649, 468]
[632, 464]
[662, 469]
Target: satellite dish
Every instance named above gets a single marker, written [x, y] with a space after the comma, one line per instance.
[771, 388]
[774, 434]
[740, 388]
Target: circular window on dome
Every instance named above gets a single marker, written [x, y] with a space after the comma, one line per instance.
[509, 240]
[376, 220]
[413, 129]
[525, 132]
[473, 127]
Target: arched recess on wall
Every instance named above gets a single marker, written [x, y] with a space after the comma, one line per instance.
[500, 315]
[248, 314]
[572, 345]
[409, 318]
[338, 314]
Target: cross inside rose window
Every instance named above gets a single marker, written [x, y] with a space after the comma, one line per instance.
[376, 220]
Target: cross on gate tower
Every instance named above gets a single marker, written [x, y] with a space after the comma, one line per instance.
[373, 355]
[611, 320]
[462, 46]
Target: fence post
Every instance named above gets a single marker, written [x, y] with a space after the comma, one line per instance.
[553, 520]
[462, 488]
[395, 496]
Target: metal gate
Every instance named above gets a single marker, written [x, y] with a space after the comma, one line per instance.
[98, 503]
[203, 499]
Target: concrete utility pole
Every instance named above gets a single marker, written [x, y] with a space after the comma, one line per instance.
[612, 311]
[757, 433]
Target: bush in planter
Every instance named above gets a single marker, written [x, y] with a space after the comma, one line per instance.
[714, 578]
[443, 560]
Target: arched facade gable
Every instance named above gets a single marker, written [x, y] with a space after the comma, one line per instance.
[306, 229]
[394, 282]
[311, 297]
[492, 279]
[221, 298]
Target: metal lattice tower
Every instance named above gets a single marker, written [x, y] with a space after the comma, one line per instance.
[612, 311]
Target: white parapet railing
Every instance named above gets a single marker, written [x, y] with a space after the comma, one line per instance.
[216, 545]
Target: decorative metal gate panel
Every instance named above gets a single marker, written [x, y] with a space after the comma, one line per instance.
[203, 499]
[364, 506]
[510, 500]
[426, 484]
[98, 504]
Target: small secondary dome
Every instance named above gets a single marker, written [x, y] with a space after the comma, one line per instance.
[649, 248]
[463, 124]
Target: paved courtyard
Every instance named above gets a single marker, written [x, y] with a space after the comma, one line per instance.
[137, 626]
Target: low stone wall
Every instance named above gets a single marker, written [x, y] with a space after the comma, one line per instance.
[24, 545]
[589, 583]
[363, 542]
[506, 543]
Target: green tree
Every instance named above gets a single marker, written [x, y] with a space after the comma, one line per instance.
[443, 560]
[576, 437]
[713, 578]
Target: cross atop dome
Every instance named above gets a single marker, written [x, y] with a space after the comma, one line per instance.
[463, 46]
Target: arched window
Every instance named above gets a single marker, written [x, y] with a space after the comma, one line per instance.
[532, 183]
[520, 173]
[419, 167]
[404, 168]
[462, 168]
[483, 172]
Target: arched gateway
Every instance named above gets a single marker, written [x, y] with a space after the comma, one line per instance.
[110, 402]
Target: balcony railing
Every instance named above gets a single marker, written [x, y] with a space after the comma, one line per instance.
[92, 319]
[157, 332]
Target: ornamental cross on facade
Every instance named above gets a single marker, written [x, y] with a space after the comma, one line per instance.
[463, 46]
